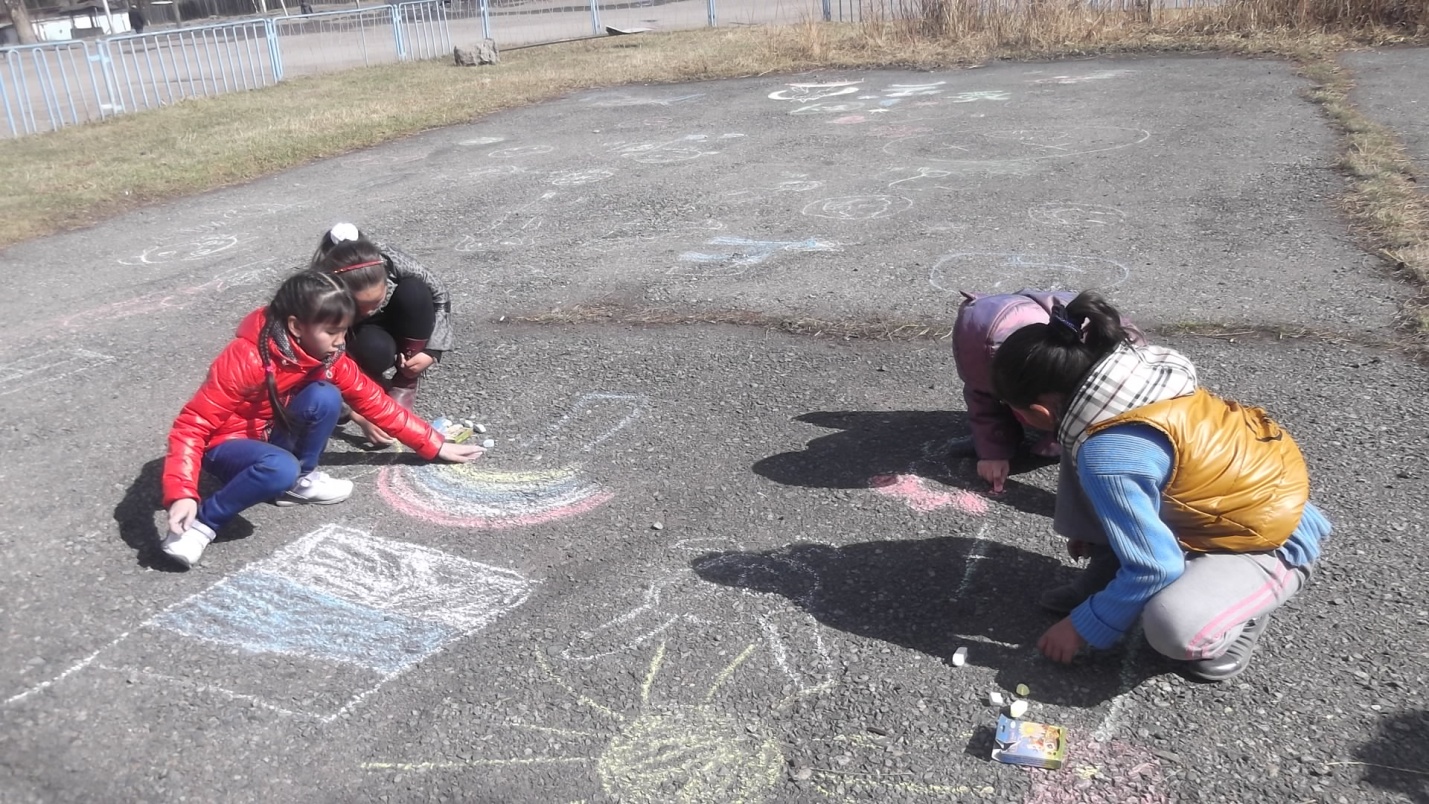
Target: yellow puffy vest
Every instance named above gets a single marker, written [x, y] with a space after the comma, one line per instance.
[1238, 482]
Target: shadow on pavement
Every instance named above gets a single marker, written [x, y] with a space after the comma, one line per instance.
[934, 596]
[869, 444]
[1397, 759]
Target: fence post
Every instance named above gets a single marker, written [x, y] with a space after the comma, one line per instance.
[275, 53]
[828, 11]
[595, 17]
[397, 32]
[714, 19]
[485, 20]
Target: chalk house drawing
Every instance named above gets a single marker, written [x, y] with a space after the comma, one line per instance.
[347, 611]
[1007, 272]
[858, 207]
[1015, 145]
[479, 496]
[736, 255]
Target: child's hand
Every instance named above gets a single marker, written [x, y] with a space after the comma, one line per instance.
[460, 453]
[994, 472]
[182, 514]
[414, 365]
[374, 433]
[1061, 642]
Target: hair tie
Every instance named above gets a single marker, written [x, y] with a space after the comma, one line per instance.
[355, 266]
[1059, 318]
[342, 232]
[268, 368]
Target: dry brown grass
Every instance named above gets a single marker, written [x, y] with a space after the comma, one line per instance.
[70, 178]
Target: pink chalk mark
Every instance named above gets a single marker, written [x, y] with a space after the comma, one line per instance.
[1138, 771]
[914, 491]
[394, 498]
[849, 119]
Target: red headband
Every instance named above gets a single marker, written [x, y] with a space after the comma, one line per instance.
[358, 265]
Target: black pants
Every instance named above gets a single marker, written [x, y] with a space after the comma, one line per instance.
[375, 342]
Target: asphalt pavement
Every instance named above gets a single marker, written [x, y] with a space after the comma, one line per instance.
[716, 562]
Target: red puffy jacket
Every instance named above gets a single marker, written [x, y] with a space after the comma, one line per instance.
[233, 403]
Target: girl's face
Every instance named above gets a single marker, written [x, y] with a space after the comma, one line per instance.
[318, 340]
[369, 299]
[1041, 414]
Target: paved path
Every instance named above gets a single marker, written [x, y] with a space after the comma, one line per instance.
[710, 563]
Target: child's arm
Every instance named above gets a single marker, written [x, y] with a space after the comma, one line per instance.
[405, 265]
[996, 432]
[236, 373]
[1123, 470]
[368, 400]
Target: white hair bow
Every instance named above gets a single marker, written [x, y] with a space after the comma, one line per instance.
[342, 232]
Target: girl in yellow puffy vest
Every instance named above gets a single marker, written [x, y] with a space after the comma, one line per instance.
[1204, 502]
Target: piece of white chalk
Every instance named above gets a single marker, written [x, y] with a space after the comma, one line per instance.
[480, 428]
[960, 657]
[468, 424]
[489, 443]
[1017, 709]
[995, 698]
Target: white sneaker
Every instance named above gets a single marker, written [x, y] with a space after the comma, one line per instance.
[187, 547]
[316, 488]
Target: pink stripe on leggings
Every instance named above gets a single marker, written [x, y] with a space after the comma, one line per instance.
[1237, 614]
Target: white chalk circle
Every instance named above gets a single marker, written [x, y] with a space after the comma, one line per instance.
[1007, 272]
[1060, 213]
[572, 178]
[518, 151]
[1015, 145]
[858, 207]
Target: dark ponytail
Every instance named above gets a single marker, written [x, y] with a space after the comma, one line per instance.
[346, 253]
[312, 298]
[1053, 358]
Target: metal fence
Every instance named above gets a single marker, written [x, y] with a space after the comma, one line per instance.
[48, 86]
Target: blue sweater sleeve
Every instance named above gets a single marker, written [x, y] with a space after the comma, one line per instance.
[1122, 470]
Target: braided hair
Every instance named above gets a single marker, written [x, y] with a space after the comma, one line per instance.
[311, 298]
[1053, 358]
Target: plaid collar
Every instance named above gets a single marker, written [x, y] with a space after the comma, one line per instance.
[1128, 378]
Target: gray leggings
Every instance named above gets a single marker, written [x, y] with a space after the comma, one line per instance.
[1202, 612]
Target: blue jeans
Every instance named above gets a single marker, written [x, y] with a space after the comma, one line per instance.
[258, 471]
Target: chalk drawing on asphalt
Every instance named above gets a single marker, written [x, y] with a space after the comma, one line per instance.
[685, 601]
[182, 251]
[611, 100]
[517, 226]
[225, 219]
[645, 230]
[792, 185]
[736, 255]
[987, 95]
[915, 492]
[858, 207]
[1064, 213]
[807, 93]
[849, 120]
[496, 170]
[40, 368]
[922, 174]
[347, 611]
[914, 90]
[1100, 75]
[1009, 271]
[831, 108]
[574, 178]
[480, 496]
[666, 152]
[157, 301]
[371, 160]
[477, 141]
[1015, 145]
[521, 151]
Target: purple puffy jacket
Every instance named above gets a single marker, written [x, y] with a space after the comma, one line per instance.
[984, 322]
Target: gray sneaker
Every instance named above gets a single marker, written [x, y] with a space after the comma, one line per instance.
[1100, 570]
[1236, 658]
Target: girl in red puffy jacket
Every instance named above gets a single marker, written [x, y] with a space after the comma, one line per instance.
[264, 413]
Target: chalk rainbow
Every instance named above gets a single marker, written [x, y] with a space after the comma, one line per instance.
[468, 496]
